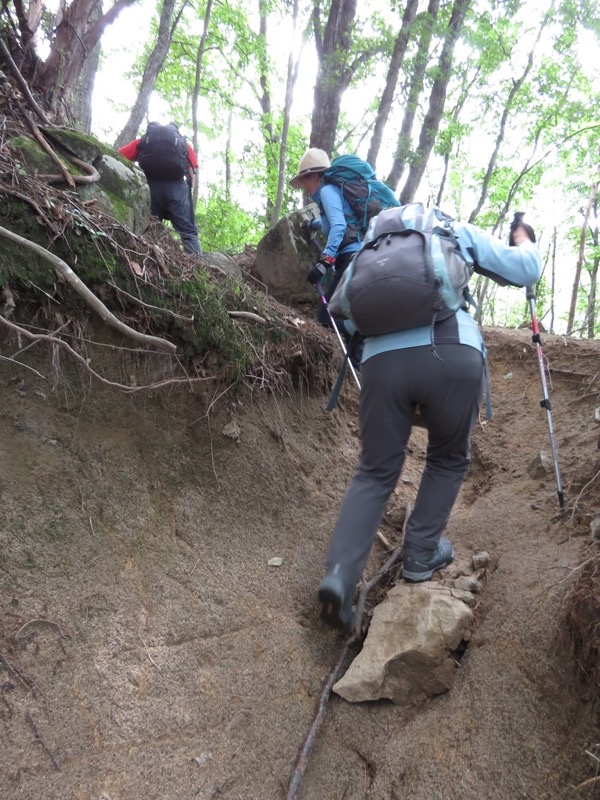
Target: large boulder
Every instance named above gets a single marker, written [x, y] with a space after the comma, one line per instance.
[283, 257]
[408, 654]
[121, 192]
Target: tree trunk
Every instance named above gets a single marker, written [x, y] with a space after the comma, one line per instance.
[404, 146]
[333, 77]
[553, 280]
[266, 123]
[196, 94]
[466, 93]
[580, 260]
[292, 75]
[593, 274]
[156, 59]
[387, 97]
[74, 40]
[516, 86]
[437, 100]
[79, 98]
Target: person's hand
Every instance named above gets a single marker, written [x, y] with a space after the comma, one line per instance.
[524, 233]
[319, 269]
[520, 231]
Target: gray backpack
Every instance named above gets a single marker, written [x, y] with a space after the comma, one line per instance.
[409, 273]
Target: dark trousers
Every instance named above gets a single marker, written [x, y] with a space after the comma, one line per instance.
[448, 392]
[172, 200]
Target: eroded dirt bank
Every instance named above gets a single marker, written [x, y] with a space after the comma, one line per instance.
[149, 650]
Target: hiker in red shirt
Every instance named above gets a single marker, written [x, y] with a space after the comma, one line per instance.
[169, 163]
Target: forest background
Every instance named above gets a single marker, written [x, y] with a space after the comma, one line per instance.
[483, 108]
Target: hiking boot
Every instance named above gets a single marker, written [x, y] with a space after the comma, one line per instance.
[335, 597]
[419, 565]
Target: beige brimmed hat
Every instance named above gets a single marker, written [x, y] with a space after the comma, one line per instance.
[314, 160]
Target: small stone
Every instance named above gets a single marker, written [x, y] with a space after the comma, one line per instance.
[466, 583]
[595, 527]
[453, 571]
[540, 466]
[481, 559]
[597, 415]
[535, 506]
[508, 376]
[232, 430]
[275, 562]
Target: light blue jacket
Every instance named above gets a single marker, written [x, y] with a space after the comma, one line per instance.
[516, 266]
[333, 222]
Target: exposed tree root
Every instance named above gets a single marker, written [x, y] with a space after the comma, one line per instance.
[90, 298]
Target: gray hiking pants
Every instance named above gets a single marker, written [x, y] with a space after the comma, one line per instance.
[448, 391]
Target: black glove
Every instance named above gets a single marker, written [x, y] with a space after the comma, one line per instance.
[518, 223]
[319, 270]
[306, 228]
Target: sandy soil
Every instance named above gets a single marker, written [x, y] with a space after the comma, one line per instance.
[148, 650]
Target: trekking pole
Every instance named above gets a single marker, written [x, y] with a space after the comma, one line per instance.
[339, 335]
[317, 248]
[545, 401]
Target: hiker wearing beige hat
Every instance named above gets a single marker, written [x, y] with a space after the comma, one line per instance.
[341, 240]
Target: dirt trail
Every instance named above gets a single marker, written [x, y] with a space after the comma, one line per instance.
[178, 664]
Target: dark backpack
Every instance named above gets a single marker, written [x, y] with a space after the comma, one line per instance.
[163, 153]
[409, 273]
[365, 195]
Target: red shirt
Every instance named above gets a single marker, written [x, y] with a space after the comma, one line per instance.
[130, 151]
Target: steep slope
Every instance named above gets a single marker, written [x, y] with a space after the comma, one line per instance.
[149, 650]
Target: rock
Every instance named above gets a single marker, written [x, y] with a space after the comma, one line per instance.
[453, 571]
[122, 192]
[540, 466]
[467, 583]
[225, 263]
[283, 257]
[232, 430]
[481, 559]
[407, 655]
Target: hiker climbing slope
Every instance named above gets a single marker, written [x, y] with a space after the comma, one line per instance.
[169, 163]
[348, 196]
[436, 366]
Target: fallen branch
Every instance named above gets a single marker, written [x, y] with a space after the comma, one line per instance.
[86, 366]
[589, 782]
[357, 636]
[368, 585]
[304, 755]
[76, 283]
[247, 315]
